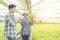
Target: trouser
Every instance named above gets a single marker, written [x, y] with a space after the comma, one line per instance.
[25, 37]
[9, 38]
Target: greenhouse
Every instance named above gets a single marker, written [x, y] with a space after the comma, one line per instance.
[45, 13]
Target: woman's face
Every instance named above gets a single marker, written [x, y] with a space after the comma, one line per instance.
[25, 15]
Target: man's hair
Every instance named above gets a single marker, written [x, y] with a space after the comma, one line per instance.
[11, 6]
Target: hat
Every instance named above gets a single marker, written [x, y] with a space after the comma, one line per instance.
[25, 14]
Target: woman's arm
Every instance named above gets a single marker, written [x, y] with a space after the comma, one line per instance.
[31, 22]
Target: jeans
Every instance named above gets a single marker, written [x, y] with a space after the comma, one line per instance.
[25, 37]
[9, 38]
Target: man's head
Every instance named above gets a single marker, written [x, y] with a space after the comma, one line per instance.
[12, 8]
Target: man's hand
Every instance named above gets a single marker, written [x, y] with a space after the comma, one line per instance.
[18, 20]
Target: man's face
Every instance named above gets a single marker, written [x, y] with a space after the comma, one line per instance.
[12, 10]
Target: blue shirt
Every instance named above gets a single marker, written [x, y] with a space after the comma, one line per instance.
[26, 26]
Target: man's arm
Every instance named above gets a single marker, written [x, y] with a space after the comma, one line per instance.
[5, 21]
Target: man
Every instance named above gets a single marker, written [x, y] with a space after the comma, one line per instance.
[10, 24]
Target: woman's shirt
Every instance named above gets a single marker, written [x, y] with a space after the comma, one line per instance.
[26, 26]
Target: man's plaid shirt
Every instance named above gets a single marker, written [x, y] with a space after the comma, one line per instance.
[10, 26]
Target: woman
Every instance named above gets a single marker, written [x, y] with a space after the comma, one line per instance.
[26, 23]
